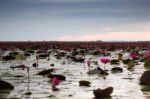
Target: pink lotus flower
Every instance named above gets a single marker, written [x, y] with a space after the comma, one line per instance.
[55, 81]
[133, 56]
[105, 60]
[147, 54]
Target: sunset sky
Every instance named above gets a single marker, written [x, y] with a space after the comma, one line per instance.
[74, 20]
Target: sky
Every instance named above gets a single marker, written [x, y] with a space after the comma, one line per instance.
[74, 20]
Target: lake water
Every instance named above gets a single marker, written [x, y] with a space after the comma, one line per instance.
[40, 86]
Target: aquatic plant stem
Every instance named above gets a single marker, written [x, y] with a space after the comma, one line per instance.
[104, 71]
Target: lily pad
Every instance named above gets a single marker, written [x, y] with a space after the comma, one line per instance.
[147, 63]
[28, 93]
[146, 88]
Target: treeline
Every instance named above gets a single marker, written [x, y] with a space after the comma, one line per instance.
[69, 45]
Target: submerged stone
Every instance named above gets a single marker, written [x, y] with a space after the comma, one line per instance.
[120, 56]
[52, 65]
[78, 59]
[43, 56]
[35, 64]
[84, 83]
[145, 78]
[27, 54]
[8, 57]
[5, 85]
[100, 93]
[94, 71]
[18, 76]
[114, 62]
[60, 77]
[117, 69]
[45, 72]
[98, 70]
[51, 96]
[28, 93]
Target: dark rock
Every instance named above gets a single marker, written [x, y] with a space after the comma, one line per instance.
[60, 77]
[145, 78]
[45, 72]
[100, 93]
[62, 54]
[28, 93]
[35, 64]
[52, 65]
[77, 59]
[98, 70]
[84, 83]
[74, 53]
[13, 53]
[96, 53]
[94, 71]
[58, 56]
[117, 69]
[39, 51]
[5, 85]
[18, 76]
[22, 66]
[8, 57]
[43, 55]
[70, 95]
[30, 51]
[120, 56]
[27, 54]
[82, 52]
[114, 62]
[102, 72]
[63, 63]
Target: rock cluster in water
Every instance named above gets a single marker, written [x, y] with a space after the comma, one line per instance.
[84, 83]
[5, 85]
[100, 93]
[145, 78]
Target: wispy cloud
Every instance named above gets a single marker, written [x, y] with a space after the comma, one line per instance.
[61, 0]
[71, 19]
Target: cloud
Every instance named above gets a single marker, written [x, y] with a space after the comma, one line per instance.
[72, 19]
[114, 36]
[61, 0]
